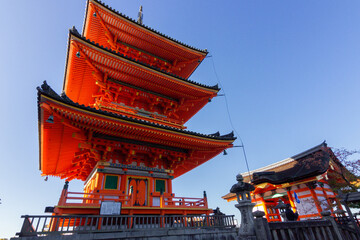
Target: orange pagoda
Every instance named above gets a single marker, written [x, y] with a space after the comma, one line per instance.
[119, 123]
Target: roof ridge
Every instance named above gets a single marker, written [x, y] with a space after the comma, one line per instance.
[73, 31]
[149, 28]
[48, 91]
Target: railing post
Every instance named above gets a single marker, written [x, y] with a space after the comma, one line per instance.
[162, 200]
[131, 196]
[64, 193]
[205, 200]
[262, 226]
[100, 220]
[327, 216]
[27, 229]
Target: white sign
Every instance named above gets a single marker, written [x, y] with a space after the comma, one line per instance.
[110, 208]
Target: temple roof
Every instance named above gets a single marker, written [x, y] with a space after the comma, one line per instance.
[310, 163]
[58, 145]
[73, 32]
[103, 25]
[48, 91]
[88, 63]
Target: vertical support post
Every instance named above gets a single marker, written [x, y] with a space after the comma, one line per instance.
[205, 200]
[162, 200]
[291, 199]
[265, 208]
[326, 196]
[62, 201]
[151, 187]
[311, 186]
[63, 195]
[131, 196]
[99, 223]
[338, 204]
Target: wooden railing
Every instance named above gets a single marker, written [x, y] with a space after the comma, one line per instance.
[345, 220]
[185, 202]
[94, 199]
[328, 228]
[309, 229]
[47, 225]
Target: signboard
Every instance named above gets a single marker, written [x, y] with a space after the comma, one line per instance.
[110, 208]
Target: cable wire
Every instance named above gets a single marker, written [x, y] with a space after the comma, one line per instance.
[232, 125]
[229, 116]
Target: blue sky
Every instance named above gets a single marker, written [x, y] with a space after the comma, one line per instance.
[290, 71]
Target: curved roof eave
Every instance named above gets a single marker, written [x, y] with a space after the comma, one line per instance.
[48, 91]
[120, 15]
[73, 32]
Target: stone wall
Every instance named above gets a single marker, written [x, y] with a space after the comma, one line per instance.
[160, 234]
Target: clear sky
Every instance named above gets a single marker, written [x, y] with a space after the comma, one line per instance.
[290, 71]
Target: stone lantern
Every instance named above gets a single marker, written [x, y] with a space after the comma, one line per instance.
[281, 206]
[242, 191]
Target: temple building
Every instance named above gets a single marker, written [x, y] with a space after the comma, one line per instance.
[119, 123]
[303, 181]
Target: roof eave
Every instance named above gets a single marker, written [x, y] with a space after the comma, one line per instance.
[49, 92]
[203, 52]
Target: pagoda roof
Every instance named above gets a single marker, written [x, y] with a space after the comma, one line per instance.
[100, 19]
[84, 56]
[48, 91]
[58, 146]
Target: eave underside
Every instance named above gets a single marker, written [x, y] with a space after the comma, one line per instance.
[89, 67]
[108, 28]
[77, 139]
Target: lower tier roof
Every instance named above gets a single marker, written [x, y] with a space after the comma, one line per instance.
[73, 138]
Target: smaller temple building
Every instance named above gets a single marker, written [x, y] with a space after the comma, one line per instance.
[304, 181]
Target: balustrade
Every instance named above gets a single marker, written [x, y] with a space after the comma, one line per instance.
[94, 199]
[47, 225]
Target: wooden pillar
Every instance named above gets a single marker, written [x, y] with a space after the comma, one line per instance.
[151, 190]
[291, 199]
[63, 195]
[312, 186]
[169, 182]
[326, 197]
[265, 208]
[338, 203]
[100, 180]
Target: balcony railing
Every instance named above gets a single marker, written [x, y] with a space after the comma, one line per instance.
[92, 199]
[70, 224]
[162, 200]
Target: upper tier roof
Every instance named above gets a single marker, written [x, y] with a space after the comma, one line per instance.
[58, 144]
[107, 27]
[87, 62]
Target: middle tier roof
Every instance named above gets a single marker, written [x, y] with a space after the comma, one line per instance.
[90, 66]
[68, 128]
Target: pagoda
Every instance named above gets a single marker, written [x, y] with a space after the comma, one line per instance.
[119, 123]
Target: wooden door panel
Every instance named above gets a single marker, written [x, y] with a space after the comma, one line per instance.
[140, 191]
